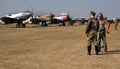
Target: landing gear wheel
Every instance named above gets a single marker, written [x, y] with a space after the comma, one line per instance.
[17, 25]
[20, 25]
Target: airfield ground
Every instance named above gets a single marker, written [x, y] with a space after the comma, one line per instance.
[55, 47]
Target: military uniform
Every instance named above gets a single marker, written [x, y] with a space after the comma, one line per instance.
[102, 35]
[91, 32]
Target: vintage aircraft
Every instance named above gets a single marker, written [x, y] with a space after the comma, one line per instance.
[42, 20]
[80, 20]
[50, 18]
[61, 19]
[16, 18]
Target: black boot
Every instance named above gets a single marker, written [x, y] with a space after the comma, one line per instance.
[96, 50]
[89, 50]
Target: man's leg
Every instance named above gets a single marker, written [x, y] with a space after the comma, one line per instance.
[99, 41]
[89, 42]
[89, 50]
[104, 42]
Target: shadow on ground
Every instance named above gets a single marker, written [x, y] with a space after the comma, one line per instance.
[111, 52]
[114, 52]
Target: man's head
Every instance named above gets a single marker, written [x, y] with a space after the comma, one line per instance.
[100, 16]
[92, 14]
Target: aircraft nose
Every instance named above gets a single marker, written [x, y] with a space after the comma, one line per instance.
[52, 15]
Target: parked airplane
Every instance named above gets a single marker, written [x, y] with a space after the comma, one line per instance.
[15, 18]
[61, 19]
[80, 20]
[49, 18]
[52, 19]
[42, 20]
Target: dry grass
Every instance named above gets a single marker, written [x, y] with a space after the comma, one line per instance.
[54, 48]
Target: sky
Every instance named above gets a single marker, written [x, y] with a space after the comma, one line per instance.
[76, 8]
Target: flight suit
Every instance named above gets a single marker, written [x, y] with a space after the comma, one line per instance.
[102, 36]
[91, 32]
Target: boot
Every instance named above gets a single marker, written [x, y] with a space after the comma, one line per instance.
[89, 50]
[105, 48]
[96, 50]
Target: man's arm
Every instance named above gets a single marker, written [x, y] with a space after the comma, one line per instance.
[107, 25]
[88, 27]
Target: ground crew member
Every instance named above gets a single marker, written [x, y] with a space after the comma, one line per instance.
[102, 31]
[91, 32]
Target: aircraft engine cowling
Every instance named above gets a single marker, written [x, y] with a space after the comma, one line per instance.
[66, 17]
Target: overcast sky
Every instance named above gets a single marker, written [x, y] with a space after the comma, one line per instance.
[76, 8]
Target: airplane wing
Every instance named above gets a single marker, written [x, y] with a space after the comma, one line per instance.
[8, 20]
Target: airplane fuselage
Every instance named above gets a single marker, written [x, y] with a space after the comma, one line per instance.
[15, 17]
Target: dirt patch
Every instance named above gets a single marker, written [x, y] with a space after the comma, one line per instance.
[55, 48]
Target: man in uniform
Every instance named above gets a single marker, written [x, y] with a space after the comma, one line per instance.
[102, 31]
[91, 32]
